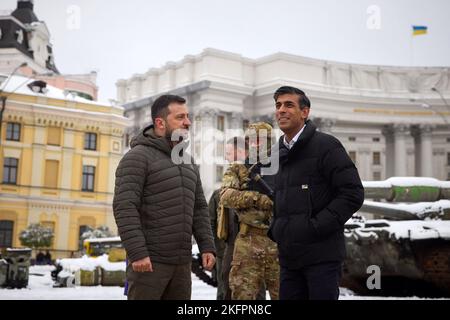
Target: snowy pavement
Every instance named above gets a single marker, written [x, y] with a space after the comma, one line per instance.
[40, 287]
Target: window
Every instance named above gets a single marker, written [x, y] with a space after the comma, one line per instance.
[376, 158]
[127, 140]
[82, 229]
[13, 131]
[245, 124]
[49, 224]
[219, 173]
[352, 155]
[448, 158]
[376, 139]
[376, 175]
[90, 141]
[6, 233]
[54, 136]
[88, 178]
[197, 149]
[51, 174]
[351, 138]
[10, 166]
[221, 123]
[219, 149]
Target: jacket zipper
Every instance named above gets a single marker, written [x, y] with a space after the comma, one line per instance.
[184, 213]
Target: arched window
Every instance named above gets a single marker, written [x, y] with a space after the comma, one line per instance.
[82, 229]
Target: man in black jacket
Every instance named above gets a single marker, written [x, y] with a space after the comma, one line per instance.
[317, 190]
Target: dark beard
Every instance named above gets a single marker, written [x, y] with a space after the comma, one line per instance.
[174, 142]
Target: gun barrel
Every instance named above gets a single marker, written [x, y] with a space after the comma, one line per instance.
[264, 184]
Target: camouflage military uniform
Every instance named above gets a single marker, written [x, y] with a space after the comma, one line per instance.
[255, 257]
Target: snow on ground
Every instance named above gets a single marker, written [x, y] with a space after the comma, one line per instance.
[41, 288]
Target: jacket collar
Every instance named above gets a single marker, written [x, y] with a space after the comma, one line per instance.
[304, 138]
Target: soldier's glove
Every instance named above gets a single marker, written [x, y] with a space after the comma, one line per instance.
[264, 202]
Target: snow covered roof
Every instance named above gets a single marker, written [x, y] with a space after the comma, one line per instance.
[103, 239]
[17, 249]
[19, 84]
[90, 263]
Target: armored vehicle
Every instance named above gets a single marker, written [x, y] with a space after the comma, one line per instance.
[403, 231]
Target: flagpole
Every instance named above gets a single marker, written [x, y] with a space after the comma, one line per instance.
[411, 57]
[416, 30]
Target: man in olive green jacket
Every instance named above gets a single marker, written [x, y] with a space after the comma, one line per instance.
[158, 206]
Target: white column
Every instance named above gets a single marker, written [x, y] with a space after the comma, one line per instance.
[206, 131]
[325, 125]
[388, 133]
[426, 151]
[400, 133]
[364, 163]
[236, 121]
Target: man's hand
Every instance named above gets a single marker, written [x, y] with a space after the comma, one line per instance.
[264, 202]
[208, 260]
[143, 265]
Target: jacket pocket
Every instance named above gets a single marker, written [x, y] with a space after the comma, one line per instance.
[300, 229]
[278, 230]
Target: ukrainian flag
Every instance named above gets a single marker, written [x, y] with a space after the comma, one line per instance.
[418, 30]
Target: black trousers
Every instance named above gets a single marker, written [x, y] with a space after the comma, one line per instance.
[314, 282]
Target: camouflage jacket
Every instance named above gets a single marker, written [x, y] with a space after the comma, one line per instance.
[240, 192]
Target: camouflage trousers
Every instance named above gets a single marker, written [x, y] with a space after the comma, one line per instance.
[255, 261]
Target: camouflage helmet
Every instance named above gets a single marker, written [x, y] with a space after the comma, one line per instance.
[259, 128]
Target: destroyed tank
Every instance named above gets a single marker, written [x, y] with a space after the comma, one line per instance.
[403, 231]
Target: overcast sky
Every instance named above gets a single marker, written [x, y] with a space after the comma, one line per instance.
[118, 38]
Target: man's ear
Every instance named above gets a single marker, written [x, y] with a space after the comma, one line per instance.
[305, 113]
[160, 123]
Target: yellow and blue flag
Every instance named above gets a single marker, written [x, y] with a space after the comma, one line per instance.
[418, 30]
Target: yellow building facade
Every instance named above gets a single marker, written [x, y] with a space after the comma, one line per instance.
[58, 157]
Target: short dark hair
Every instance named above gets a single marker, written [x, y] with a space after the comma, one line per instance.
[303, 100]
[160, 108]
[238, 142]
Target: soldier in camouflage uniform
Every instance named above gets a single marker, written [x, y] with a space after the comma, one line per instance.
[255, 257]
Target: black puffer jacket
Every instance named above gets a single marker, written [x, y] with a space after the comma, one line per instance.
[159, 205]
[317, 190]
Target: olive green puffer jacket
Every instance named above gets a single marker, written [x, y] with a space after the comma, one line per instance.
[159, 205]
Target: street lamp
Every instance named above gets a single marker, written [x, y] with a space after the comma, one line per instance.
[442, 96]
[425, 105]
[4, 97]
